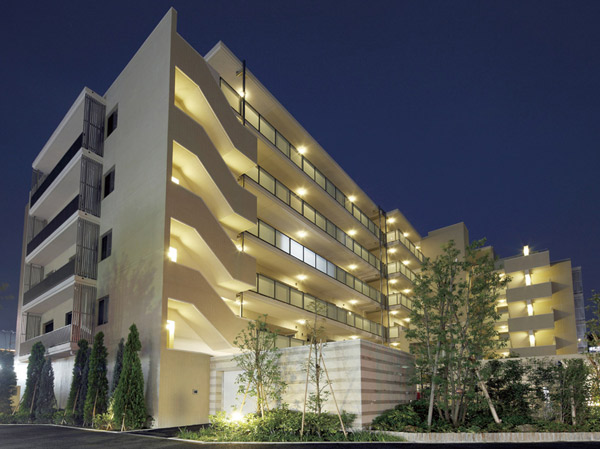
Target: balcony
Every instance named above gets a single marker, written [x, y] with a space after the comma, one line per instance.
[532, 351]
[397, 237]
[60, 166]
[543, 290]
[521, 263]
[398, 299]
[399, 268]
[285, 244]
[49, 282]
[289, 295]
[255, 120]
[280, 192]
[533, 322]
[69, 210]
[52, 341]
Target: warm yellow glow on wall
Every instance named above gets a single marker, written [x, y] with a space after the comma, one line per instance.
[352, 198]
[527, 278]
[391, 220]
[352, 267]
[172, 254]
[174, 180]
[352, 232]
[302, 234]
[353, 301]
[531, 338]
[407, 290]
[301, 150]
[406, 234]
[526, 250]
[301, 277]
[393, 281]
[406, 262]
[392, 250]
[171, 334]
[529, 308]
[301, 191]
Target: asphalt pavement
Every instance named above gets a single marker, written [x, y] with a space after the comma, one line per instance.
[50, 437]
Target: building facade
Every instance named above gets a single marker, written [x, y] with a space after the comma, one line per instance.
[187, 200]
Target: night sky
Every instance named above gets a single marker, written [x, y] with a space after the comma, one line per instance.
[484, 112]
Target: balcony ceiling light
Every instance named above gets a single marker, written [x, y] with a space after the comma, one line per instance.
[301, 150]
[406, 262]
[352, 232]
[407, 290]
[301, 191]
[352, 198]
[526, 250]
[392, 250]
[353, 337]
[353, 301]
[394, 312]
[302, 234]
[391, 220]
[172, 254]
[174, 180]
[301, 322]
[393, 281]
[405, 234]
[302, 277]
[352, 267]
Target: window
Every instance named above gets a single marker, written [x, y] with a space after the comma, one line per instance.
[109, 182]
[49, 326]
[68, 318]
[106, 248]
[111, 123]
[103, 311]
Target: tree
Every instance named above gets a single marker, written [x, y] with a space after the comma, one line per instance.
[259, 361]
[96, 400]
[593, 326]
[118, 366]
[508, 387]
[45, 402]
[129, 404]
[452, 327]
[76, 394]
[34, 371]
[8, 381]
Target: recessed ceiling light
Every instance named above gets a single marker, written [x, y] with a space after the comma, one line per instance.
[301, 321]
[352, 267]
[391, 220]
[301, 277]
[393, 281]
[406, 262]
[352, 198]
[407, 290]
[353, 301]
[405, 234]
[301, 150]
[392, 250]
[352, 232]
[302, 234]
[301, 191]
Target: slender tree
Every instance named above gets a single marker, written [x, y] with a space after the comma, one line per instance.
[76, 396]
[593, 326]
[129, 405]
[45, 401]
[452, 327]
[96, 400]
[34, 372]
[259, 361]
[118, 366]
[8, 381]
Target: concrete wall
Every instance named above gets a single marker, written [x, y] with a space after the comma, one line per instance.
[367, 378]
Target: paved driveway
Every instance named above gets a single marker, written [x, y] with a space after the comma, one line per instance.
[47, 436]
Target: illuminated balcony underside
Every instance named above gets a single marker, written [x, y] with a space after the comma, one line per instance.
[543, 290]
[534, 322]
[286, 268]
[532, 351]
[272, 160]
[290, 314]
[521, 263]
[282, 217]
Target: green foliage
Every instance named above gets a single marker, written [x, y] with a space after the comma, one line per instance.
[96, 400]
[593, 326]
[74, 409]
[452, 326]
[129, 404]
[45, 401]
[509, 390]
[280, 424]
[397, 419]
[104, 421]
[8, 381]
[34, 372]
[259, 360]
[118, 366]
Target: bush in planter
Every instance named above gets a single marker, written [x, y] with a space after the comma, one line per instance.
[397, 419]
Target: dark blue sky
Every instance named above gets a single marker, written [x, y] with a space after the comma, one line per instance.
[485, 112]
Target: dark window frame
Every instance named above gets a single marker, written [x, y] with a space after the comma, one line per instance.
[112, 121]
[68, 318]
[109, 183]
[106, 245]
[102, 317]
[45, 326]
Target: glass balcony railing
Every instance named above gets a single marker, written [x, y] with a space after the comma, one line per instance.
[288, 245]
[398, 236]
[64, 161]
[50, 281]
[399, 267]
[289, 295]
[395, 331]
[260, 124]
[60, 218]
[276, 188]
[398, 299]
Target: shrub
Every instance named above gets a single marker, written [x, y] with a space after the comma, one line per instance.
[397, 418]
[8, 381]
[96, 400]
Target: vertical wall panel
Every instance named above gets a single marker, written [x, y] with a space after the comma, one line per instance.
[93, 126]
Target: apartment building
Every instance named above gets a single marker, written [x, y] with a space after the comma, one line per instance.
[187, 200]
